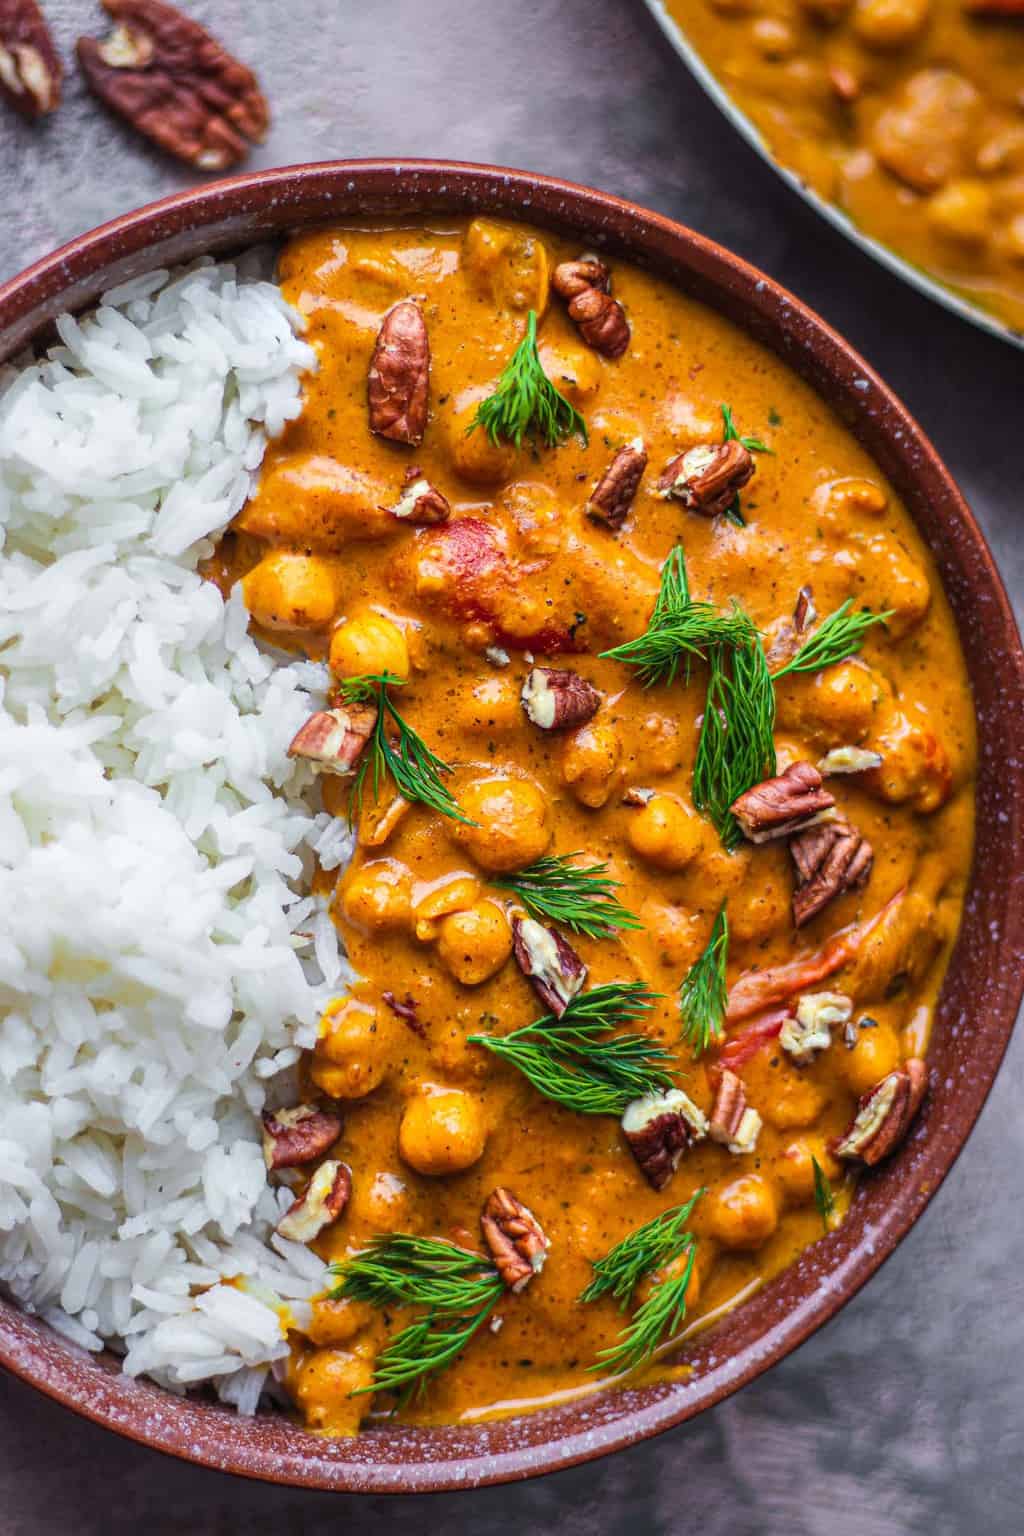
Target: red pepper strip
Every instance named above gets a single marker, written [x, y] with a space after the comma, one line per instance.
[736, 1052]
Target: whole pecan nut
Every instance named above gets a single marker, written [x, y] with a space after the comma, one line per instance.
[557, 700]
[612, 496]
[292, 1137]
[333, 739]
[601, 319]
[659, 1128]
[515, 1237]
[420, 502]
[321, 1203]
[733, 1123]
[30, 68]
[400, 375]
[549, 962]
[783, 805]
[884, 1115]
[830, 858]
[176, 84]
[708, 477]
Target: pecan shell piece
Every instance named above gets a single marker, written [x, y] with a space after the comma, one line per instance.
[830, 858]
[708, 477]
[613, 495]
[30, 67]
[176, 84]
[783, 805]
[549, 962]
[884, 1115]
[333, 739]
[659, 1128]
[733, 1124]
[556, 700]
[321, 1203]
[516, 1239]
[292, 1137]
[421, 503]
[399, 376]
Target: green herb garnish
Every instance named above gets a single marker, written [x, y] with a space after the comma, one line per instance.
[415, 769]
[576, 1062]
[526, 403]
[458, 1290]
[823, 1196]
[837, 638]
[580, 897]
[752, 445]
[737, 745]
[702, 996]
[679, 629]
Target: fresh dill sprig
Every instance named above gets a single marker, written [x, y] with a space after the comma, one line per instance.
[415, 769]
[458, 1290]
[679, 629]
[752, 445]
[647, 1248]
[702, 996]
[823, 1196]
[839, 637]
[661, 1314]
[576, 1062]
[580, 897]
[526, 403]
[736, 748]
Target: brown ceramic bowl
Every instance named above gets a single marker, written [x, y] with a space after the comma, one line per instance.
[982, 991]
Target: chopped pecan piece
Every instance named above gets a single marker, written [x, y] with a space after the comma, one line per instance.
[733, 1123]
[292, 1137]
[659, 1128]
[612, 496]
[785, 804]
[551, 964]
[829, 859]
[884, 1115]
[638, 796]
[557, 700]
[175, 84]
[30, 68]
[421, 503]
[333, 739]
[601, 319]
[399, 376]
[321, 1202]
[515, 1237]
[707, 478]
[849, 760]
[406, 1012]
[805, 613]
[811, 1030]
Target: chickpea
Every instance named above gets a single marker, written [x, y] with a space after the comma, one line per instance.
[376, 896]
[474, 944]
[659, 749]
[369, 642]
[838, 704]
[678, 934]
[1015, 237]
[354, 1050]
[744, 1213]
[923, 137]
[889, 23]
[876, 1054]
[288, 591]
[513, 822]
[795, 1168]
[772, 37]
[666, 832]
[384, 1203]
[915, 767]
[323, 1386]
[338, 1322]
[490, 707]
[442, 1132]
[897, 582]
[473, 455]
[590, 763]
[962, 211]
[575, 371]
[452, 893]
[762, 909]
[842, 499]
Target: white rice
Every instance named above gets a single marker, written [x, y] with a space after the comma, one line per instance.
[160, 961]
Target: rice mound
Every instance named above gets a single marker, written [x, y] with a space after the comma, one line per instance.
[160, 963]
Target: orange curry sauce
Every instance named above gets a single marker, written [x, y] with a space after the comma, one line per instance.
[431, 1123]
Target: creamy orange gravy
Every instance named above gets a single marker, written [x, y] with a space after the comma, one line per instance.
[322, 564]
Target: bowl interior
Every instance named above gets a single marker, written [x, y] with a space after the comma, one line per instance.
[982, 992]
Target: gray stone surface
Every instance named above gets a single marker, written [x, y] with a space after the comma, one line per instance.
[904, 1415]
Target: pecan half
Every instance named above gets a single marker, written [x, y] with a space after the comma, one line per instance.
[810, 1031]
[659, 1128]
[546, 960]
[292, 1137]
[733, 1123]
[612, 496]
[601, 319]
[333, 739]
[515, 1237]
[321, 1203]
[707, 478]
[884, 1115]
[406, 1012]
[776, 807]
[830, 858]
[30, 68]
[420, 503]
[399, 375]
[557, 700]
[574, 277]
[176, 84]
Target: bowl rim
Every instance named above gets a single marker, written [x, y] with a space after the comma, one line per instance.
[234, 212]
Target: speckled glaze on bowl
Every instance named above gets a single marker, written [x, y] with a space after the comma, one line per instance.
[983, 990]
